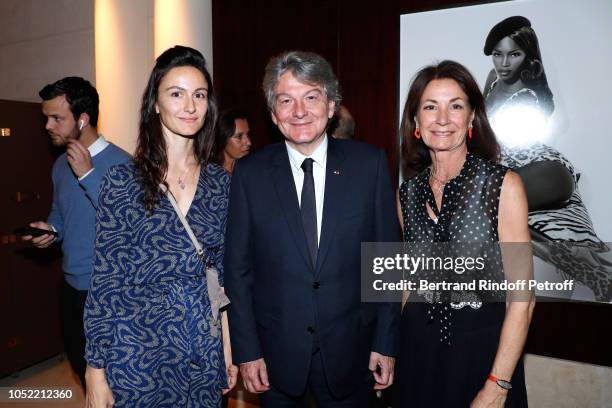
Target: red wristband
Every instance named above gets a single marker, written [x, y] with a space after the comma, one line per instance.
[501, 383]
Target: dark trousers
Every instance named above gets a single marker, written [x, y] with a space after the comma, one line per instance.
[72, 304]
[317, 389]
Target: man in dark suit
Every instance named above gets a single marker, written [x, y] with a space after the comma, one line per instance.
[299, 211]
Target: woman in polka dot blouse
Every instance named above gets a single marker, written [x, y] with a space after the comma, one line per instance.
[458, 352]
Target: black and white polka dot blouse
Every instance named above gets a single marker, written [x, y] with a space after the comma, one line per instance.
[468, 214]
[469, 208]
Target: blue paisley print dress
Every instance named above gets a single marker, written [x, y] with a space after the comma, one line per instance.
[147, 312]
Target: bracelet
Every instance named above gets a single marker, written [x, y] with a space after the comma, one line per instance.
[502, 383]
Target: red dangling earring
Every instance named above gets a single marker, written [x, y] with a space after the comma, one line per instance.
[417, 133]
[470, 132]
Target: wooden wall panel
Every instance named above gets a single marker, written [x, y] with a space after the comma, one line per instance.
[29, 278]
[361, 41]
[368, 58]
[247, 34]
[359, 38]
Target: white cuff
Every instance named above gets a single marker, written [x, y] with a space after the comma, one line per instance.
[86, 174]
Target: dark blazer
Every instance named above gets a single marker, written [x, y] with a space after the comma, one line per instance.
[279, 303]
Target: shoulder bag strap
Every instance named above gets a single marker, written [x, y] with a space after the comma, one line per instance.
[216, 295]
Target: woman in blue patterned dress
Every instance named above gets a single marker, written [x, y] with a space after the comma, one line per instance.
[151, 341]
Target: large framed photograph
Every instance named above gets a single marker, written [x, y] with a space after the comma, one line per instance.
[543, 67]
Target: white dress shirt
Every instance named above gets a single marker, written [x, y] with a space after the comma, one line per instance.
[318, 173]
[95, 148]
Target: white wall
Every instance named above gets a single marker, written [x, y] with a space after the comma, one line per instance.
[124, 58]
[195, 30]
[554, 383]
[42, 41]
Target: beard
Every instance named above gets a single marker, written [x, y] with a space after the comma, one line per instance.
[59, 140]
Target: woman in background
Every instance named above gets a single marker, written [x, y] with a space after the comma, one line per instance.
[232, 140]
[151, 317]
[456, 348]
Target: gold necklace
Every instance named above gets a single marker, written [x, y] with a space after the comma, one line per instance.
[442, 184]
[181, 180]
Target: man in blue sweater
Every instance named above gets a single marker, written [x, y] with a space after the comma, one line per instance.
[71, 108]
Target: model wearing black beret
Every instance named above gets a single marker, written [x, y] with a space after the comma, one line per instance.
[503, 29]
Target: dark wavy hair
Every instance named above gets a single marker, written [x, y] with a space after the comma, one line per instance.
[81, 96]
[226, 127]
[150, 158]
[532, 71]
[415, 154]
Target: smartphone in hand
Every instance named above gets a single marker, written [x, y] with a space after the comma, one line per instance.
[33, 231]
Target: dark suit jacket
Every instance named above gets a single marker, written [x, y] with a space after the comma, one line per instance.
[277, 298]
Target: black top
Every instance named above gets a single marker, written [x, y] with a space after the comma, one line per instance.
[469, 207]
[449, 340]
[468, 214]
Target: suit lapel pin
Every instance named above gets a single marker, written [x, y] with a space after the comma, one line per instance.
[336, 172]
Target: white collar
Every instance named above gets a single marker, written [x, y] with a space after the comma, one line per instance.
[319, 155]
[97, 146]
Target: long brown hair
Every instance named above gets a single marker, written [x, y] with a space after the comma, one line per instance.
[415, 154]
[226, 127]
[150, 158]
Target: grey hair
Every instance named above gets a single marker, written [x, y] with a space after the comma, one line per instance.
[307, 67]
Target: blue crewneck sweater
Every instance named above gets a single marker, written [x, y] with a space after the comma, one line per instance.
[73, 213]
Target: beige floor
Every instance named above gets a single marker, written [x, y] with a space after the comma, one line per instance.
[53, 373]
[56, 373]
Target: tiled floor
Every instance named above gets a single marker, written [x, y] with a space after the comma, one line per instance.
[56, 373]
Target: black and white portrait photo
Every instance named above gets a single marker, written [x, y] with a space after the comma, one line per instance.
[547, 90]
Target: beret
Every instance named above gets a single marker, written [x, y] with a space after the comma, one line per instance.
[503, 29]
